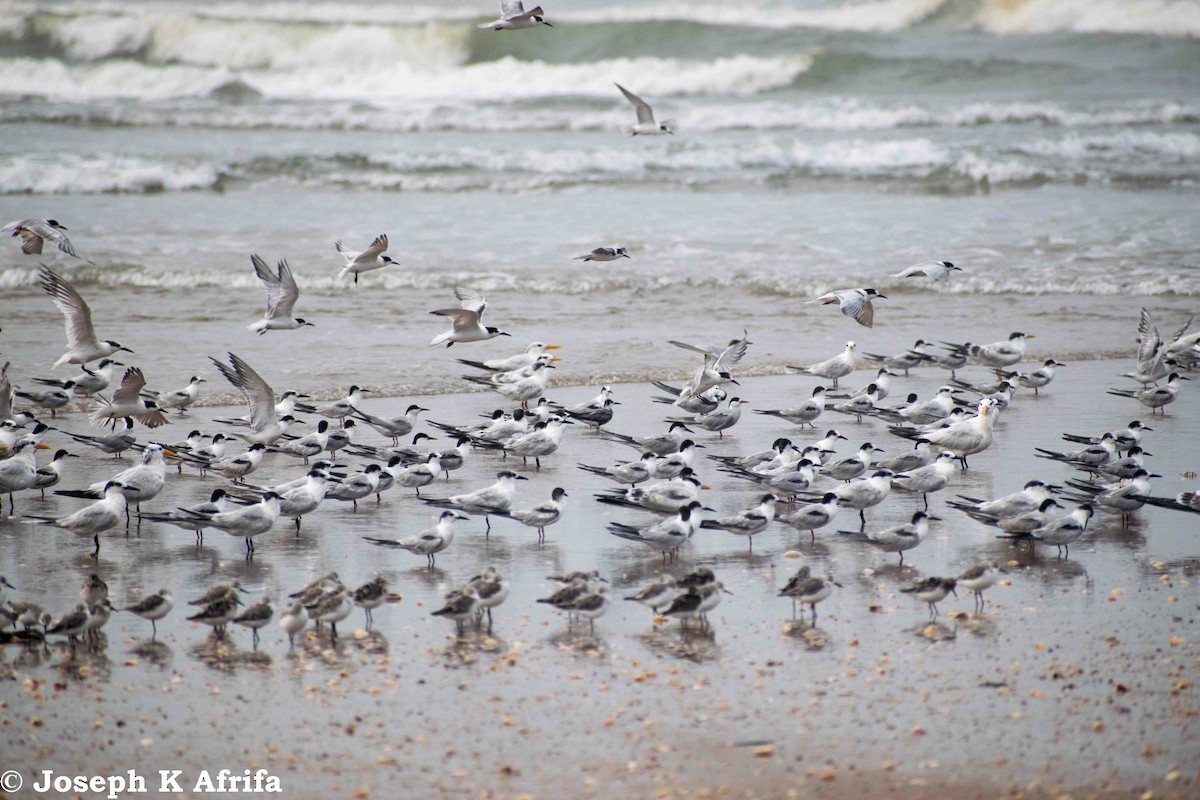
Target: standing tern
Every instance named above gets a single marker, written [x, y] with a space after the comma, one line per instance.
[51, 474]
[428, 543]
[646, 126]
[483, 502]
[1016, 526]
[997, 354]
[604, 254]
[804, 414]
[513, 16]
[667, 535]
[703, 403]
[748, 522]
[837, 367]
[1127, 437]
[245, 522]
[660, 445]
[939, 271]
[813, 515]
[865, 492]
[91, 520]
[900, 538]
[855, 303]
[282, 294]
[721, 420]
[1037, 379]
[540, 516]
[393, 427]
[1156, 397]
[82, 344]
[466, 323]
[50, 399]
[19, 471]
[36, 232]
[188, 519]
[88, 382]
[1064, 531]
[906, 360]
[973, 435]
[367, 260]
[1029, 498]
[664, 497]
[928, 479]
[179, 399]
[114, 444]
[633, 473]
[140, 483]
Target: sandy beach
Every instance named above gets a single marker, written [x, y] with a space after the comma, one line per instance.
[1076, 678]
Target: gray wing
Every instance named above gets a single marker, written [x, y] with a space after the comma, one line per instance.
[471, 300]
[1150, 340]
[461, 318]
[289, 292]
[733, 353]
[645, 115]
[1183, 329]
[80, 333]
[271, 282]
[511, 8]
[6, 392]
[378, 246]
[131, 386]
[854, 305]
[41, 229]
[258, 393]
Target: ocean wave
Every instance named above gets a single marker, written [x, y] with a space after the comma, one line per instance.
[508, 78]
[1168, 18]
[74, 174]
[982, 280]
[835, 114]
[1079, 147]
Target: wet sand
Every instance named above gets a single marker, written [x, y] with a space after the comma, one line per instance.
[1076, 678]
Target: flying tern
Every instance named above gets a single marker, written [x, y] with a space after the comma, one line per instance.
[82, 344]
[466, 322]
[282, 294]
[358, 262]
[646, 126]
[855, 303]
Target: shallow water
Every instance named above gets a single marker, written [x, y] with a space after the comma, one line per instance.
[1061, 680]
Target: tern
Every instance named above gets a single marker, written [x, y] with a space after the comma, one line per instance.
[1037, 379]
[906, 360]
[660, 445]
[127, 401]
[633, 473]
[91, 520]
[265, 426]
[519, 361]
[488, 500]
[428, 543]
[997, 354]
[813, 515]
[837, 367]
[668, 535]
[179, 399]
[715, 369]
[1062, 532]
[855, 303]
[1016, 526]
[51, 474]
[928, 479]
[804, 414]
[115, 443]
[540, 516]
[604, 254]
[88, 382]
[139, 483]
[665, 497]
[216, 504]
[245, 522]
[51, 399]
[704, 403]
[973, 435]
[939, 271]
[865, 492]
[748, 522]
[1127, 437]
[513, 16]
[899, 538]
[466, 322]
[82, 344]
[646, 126]
[721, 420]
[1156, 397]
[282, 294]
[19, 471]
[358, 262]
[393, 427]
[36, 232]
[1028, 499]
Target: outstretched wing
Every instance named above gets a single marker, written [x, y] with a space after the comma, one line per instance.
[645, 116]
[258, 393]
[80, 333]
[131, 386]
[471, 300]
[511, 8]
[271, 283]
[289, 292]
[1150, 343]
[734, 353]
[376, 249]
[460, 318]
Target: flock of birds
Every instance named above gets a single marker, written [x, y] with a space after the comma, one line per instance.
[805, 487]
